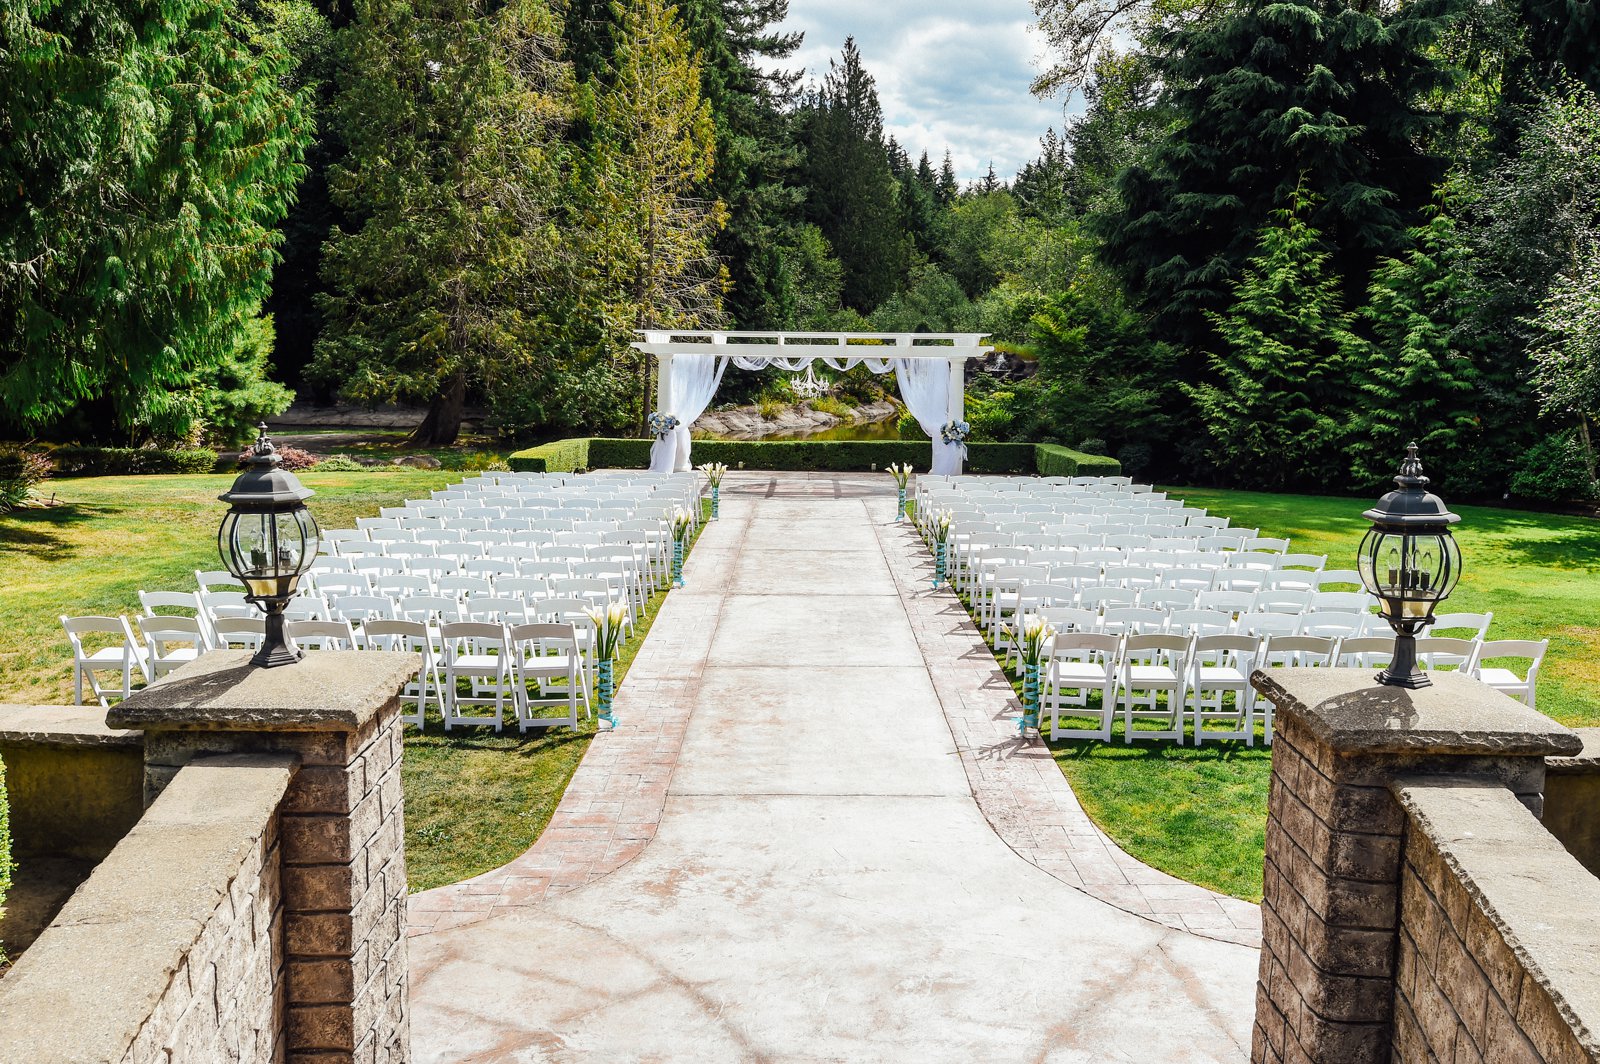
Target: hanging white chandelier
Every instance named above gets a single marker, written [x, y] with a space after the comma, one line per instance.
[810, 386]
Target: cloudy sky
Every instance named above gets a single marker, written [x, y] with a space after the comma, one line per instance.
[950, 73]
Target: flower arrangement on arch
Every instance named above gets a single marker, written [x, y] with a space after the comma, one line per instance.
[714, 472]
[661, 424]
[955, 432]
[608, 624]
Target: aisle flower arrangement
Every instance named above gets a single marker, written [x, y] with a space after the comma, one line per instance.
[662, 425]
[682, 523]
[939, 529]
[1032, 636]
[608, 626]
[714, 472]
[902, 477]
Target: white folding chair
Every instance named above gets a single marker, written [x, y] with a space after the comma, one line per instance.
[542, 654]
[323, 635]
[122, 658]
[1219, 666]
[238, 633]
[171, 642]
[413, 637]
[1153, 666]
[1079, 665]
[478, 653]
[1503, 679]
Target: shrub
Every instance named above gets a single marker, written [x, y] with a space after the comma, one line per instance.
[1135, 458]
[291, 458]
[827, 404]
[564, 456]
[771, 409]
[907, 427]
[1057, 461]
[1555, 470]
[75, 461]
[5, 849]
[21, 471]
[339, 463]
[1093, 445]
[472, 461]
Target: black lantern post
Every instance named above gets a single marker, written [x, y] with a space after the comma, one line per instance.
[268, 541]
[1411, 562]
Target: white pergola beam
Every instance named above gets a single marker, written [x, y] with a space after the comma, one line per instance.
[947, 346]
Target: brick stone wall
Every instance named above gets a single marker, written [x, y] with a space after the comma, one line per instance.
[344, 879]
[225, 1001]
[172, 951]
[1475, 979]
[1336, 837]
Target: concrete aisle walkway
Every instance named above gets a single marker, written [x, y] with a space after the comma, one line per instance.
[821, 885]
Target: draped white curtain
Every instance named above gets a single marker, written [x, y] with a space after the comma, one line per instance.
[694, 382]
[795, 365]
[925, 389]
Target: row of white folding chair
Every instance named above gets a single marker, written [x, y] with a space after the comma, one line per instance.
[449, 575]
[1196, 672]
[532, 665]
[1219, 610]
[1147, 568]
[1000, 571]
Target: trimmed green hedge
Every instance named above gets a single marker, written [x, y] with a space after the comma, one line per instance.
[75, 461]
[1057, 461]
[564, 456]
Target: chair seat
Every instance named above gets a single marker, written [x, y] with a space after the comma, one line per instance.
[1073, 673]
[1501, 678]
[113, 655]
[1151, 675]
[477, 661]
[1221, 674]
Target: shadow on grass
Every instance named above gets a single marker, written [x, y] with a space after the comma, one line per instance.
[40, 533]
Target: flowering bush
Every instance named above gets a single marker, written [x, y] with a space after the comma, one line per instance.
[21, 471]
[291, 458]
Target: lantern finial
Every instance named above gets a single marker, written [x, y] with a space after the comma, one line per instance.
[1411, 475]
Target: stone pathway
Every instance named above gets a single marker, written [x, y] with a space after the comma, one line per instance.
[780, 855]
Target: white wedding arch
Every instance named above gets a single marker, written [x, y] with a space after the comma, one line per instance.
[930, 369]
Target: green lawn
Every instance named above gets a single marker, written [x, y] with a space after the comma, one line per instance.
[1200, 814]
[473, 800]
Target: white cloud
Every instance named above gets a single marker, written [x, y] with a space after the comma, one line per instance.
[950, 74]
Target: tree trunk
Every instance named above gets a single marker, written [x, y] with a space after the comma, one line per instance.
[442, 426]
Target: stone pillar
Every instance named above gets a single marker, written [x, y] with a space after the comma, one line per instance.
[1330, 907]
[342, 826]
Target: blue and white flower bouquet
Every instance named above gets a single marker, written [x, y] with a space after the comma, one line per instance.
[662, 424]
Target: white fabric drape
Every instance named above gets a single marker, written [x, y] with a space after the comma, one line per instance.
[925, 389]
[795, 365]
[694, 382]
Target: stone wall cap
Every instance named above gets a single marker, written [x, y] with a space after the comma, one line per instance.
[1585, 762]
[331, 690]
[61, 726]
[83, 991]
[1531, 890]
[1458, 715]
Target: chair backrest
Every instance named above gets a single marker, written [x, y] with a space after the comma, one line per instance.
[1267, 624]
[163, 630]
[1200, 622]
[220, 579]
[244, 631]
[1069, 618]
[1167, 598]
[1364, 646]
[1149, 647]
[1109, 597]
[318, 634]
[543, 631]
[363, 608]
[1078, 644]
[444, 608]
[1218, 647]
[1338, 576]
[1436, 651]
[1292, 603]
[395, 635]
[1227, 601]
[152, 601]
[478, 631]
[397, 585]
[1477, 623]
[1532, 649]
[1340, 601]
[1298, 650]
[1134, 619]
[1333, 625]
[78, 627]
[460, 586]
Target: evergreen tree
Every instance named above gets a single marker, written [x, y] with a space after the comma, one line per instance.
[990, 182]
[149, 151]
[1415, 383]
[652, 154]
[741, 59]
[1264, 93]
[851, 189]
[451, 111]
[949, 187]
[1279, 385]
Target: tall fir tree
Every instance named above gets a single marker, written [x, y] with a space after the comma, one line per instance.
[652, 157]
[851, 188]
[451, 111]
[1415, 381]
[1262, 94]
[1279, 379]
[149, 153]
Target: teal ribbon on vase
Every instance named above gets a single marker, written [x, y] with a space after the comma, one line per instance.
[1030, 699]
[716, 501]
[938, 565]
[677, 563]
[604, 690]
[900, 514]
